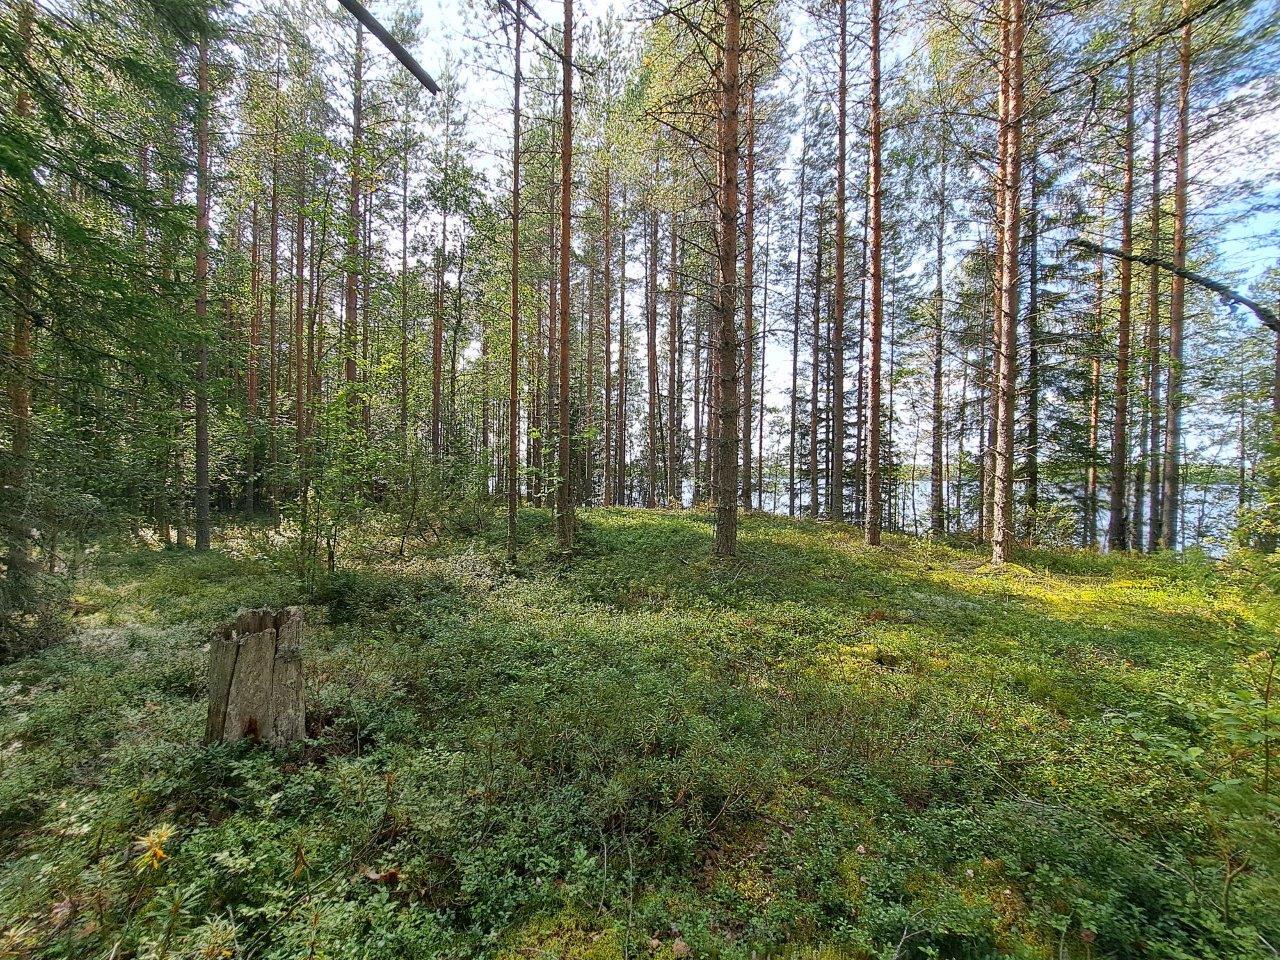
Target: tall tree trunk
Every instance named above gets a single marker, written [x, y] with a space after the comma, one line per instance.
[962, 424]
[353, 226]
[876, 291]
[564, 516]
[273, 309]
[835, 490]
[1117, 523]
[1095, 414]
[682, 348]
[991, 378]
[486, 451]
[748, 296]
[17, 473]
[404, 308]
[202, 296]
[1006, 379]
[1171, 493]
[860, 403]
[827, 381]
[675, 494]
[552, 358]
[316, 338]
[1153, 319]
[982, 466]
[437, 345]
[937, 504]
[620, 421]
[698, 403]
[366, 298]
[795, 331]
[653, 402]
[301, 373]
[726, 538]
[536, 403]
[587, 478]
[764, 345]
[252, 361]
[712, 388]
[815, 371]
[1033, 358]
[607, 487]
[513, 386]
[1268, 540]
[159, 510]
[456, 337]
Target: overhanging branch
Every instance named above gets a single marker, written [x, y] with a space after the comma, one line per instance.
[391, 43]
[1265, 314]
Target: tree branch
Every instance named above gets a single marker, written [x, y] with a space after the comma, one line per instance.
[358, 11]
[1265, 314]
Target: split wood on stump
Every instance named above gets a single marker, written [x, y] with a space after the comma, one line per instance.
[255, 678]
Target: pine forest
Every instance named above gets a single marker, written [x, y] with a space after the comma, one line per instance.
[726, 479]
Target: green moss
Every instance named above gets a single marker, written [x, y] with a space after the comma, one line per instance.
[565, 936]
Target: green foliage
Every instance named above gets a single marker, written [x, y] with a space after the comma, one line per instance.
[34, 620]
[820, 749]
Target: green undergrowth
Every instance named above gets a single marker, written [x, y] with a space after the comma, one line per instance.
[817, 750]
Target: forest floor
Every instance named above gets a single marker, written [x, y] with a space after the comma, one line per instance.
[819, 749]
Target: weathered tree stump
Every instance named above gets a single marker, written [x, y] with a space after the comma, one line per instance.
[255, 678]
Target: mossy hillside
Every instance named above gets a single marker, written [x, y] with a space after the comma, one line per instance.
[819, 748]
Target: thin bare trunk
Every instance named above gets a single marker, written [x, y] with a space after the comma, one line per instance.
[1006, 379]
[564, 516]
[1117, 523]
[876, 284]
[202, 297]
[587, 477]
[17, 473]
[815, 371]
[513, 393]
[273, 311]
[437, 345]
[252, 362]
[607, 490]
[860, 403]
[653, 402]
[726, 539]
[835, 480]
[795, 332]
[300, 372]
[1171, 492]
[748, 298]
[764, 346]
[404, 307]
[937, 506]
[698, 403]
[1153, 320]
[353, 226]
[1095, 415]
[675, 495]
[620, 420]
[1033, 360]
